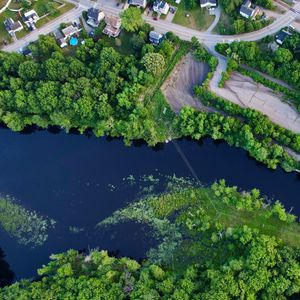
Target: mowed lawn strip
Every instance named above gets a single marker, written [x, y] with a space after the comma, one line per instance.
[197, 18]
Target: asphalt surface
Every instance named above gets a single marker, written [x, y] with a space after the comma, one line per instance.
[110, 7]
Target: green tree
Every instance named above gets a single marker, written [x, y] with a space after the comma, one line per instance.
[154, 63]
[132, 19]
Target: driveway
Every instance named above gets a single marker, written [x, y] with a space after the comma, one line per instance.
[217, 13]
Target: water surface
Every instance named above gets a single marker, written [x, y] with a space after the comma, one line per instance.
[66, 177]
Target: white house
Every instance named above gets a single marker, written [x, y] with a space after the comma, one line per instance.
[248, 11]
[30, 18]
[208, 3]
[70, 31]
[161, 7]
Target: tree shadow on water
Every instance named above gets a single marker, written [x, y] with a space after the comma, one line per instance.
[6, 274]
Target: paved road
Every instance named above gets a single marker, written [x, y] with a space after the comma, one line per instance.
[109, 7]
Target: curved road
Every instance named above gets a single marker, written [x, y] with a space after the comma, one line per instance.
[162, 26]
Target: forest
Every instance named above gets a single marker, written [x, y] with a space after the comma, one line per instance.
[236, 245]
[97, 88]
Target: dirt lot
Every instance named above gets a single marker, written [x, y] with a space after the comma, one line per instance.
[178, 88]
[243, 91]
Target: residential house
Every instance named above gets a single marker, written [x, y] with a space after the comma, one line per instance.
[161, 7]
[69, 31]
[30, 18]
[12, 26]
[281, 36]
[95, 16]
[249, 11]
[208, 3]
[113, 26]
[60, 39]
[155, 38]
[138, 3]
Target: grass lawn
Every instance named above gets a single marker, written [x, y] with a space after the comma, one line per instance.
[198, 19]
[224, 23]
[68, 6]
[3, 33]
[121, 44]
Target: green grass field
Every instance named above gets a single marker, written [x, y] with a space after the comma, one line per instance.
[226, 214]
[198, 19]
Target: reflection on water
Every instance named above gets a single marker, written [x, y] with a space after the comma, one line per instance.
[6, 274]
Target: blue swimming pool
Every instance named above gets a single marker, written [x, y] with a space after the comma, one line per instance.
[73, 41]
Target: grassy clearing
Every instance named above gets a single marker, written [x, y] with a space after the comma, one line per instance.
[156, 102]
[228, 215]
[68, 6]
[198, 19]
[3, 33]
[178, 54]
[224, 23]
[121, 44]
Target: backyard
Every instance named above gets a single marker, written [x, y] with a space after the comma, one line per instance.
[195, 18]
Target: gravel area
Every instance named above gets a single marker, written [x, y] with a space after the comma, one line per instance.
[178, 88]
[245, 92]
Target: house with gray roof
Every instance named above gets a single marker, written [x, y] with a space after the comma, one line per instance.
[138, 3]
[12, 26]
[155, 38]
[247, 10]
[281, 36]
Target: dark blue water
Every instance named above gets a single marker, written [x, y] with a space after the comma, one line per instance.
[66, 177]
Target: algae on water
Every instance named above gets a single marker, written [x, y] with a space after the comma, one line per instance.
[28, 227]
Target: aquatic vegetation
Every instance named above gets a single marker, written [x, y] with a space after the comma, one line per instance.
[187, 203]
[216, 243]
[75, 229]
[28, 227]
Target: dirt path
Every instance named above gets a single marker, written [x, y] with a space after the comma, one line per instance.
[178, 88]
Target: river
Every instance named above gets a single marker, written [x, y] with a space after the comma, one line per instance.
[67, 177]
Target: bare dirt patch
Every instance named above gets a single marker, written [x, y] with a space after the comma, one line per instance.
[178, 88]
[245, 92]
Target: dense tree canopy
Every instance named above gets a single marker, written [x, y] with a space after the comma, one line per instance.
[132, 19]
[97, 88]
